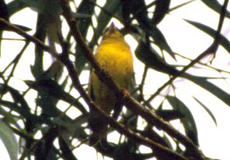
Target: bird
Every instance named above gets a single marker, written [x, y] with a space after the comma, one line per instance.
[114, 56]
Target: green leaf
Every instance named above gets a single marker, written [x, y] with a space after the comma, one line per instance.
[54, 90]
[160, 40]
[215, 5]
[81, 16]
[4, 11]
[108, 10]
[151, 58]
[9, 140]
[161, 9]
[20, 106]
[8, 117]
[211, 32]
[13, 107]
[24, 28]
[169, 115]
[207, 110]
[8, 10]
[204, 83]
[181, 5]
[15, 6]
[18, 98]
[66, 150]
[140, 13]
[60, 122]
[37, 67]
[188, 120]
[85, 8]
[41, 6]
[125, 13]
[80, 60]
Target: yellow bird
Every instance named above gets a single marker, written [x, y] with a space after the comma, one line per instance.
[113, 55]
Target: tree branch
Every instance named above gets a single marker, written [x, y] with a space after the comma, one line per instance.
[130, 102]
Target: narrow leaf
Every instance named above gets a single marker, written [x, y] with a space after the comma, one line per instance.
[188, 120]
[8, 117]
[207, 110]
[160, 40]
[204, 83]
[15, 6]
[181, 5]
[108, 10]
[215, 5]
[211, 32]
[161, 9]
[85, 8]
[9, 140]
[151, 58]
[139, 10]
[55, 90]
[24, 28]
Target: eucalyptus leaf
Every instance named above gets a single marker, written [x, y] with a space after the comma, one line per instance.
[60, 122]
[207, 110]
[181, 5]
[161, 9]
[8, 117]
[140, 13]
[9, 140]
[108, 10]
[42, 6]
[215, 5]
[211, 32]
[15, 6]
[151, 58]
[24, 28]
[85, 9]
[66, 150]
[54, 91]
[188, 120]
[160, 40]
[212, 88]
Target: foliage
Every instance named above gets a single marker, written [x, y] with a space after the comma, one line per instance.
[54, 104]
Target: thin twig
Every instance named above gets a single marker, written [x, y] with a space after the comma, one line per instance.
[15, 62]
[204, 64]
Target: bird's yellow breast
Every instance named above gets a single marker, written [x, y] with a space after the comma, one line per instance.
[114, 55]
[116, 58]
